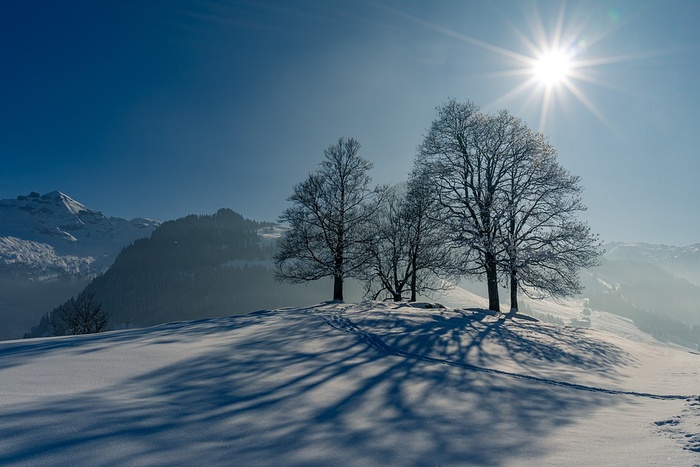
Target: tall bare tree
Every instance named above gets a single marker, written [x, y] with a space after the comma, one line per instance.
[507, 202]
[545, 244]
[327, 220]
[463, 152]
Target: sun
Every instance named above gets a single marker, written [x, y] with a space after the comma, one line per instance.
[555, 68]
[552, 68]
[553, 62]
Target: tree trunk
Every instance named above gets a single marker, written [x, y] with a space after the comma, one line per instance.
[338, 288]
[513, 291]
[338, 269]
[397, 297]
[414, 280]
[492, 282]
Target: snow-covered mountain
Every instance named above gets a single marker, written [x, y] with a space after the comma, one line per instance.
[50, 247]
[657, 286]
[47, 235]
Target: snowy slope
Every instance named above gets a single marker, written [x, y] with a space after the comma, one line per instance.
[54, 233]
[335, 384]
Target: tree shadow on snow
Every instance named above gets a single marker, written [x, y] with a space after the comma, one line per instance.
[476, 337]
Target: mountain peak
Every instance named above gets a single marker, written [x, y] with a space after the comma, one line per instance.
[70, 204]
[57, 198]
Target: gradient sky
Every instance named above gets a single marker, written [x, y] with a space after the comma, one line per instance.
[164, 108]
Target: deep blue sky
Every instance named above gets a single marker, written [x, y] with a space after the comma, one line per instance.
[164, 108]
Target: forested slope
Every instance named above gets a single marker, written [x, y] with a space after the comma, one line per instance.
[195, 267]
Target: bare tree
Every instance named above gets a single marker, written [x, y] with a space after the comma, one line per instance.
[406, 248]
[464, 154]
[507, 202]
[433, 265]
[545, 244]
[387, 267]
[79, 316]
[330, 209]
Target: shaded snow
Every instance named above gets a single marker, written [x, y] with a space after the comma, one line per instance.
[368, 384]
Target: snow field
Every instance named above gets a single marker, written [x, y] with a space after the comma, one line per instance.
[337, 384]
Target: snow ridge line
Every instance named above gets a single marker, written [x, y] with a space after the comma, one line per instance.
[341, 323]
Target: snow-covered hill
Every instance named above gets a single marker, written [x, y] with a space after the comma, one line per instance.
[337, 384]
[50, 234]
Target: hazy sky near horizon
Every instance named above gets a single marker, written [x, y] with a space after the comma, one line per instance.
[164, 108]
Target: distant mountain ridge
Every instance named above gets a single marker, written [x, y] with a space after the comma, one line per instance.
[50, 247]
[681, 261]
[651, 252]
